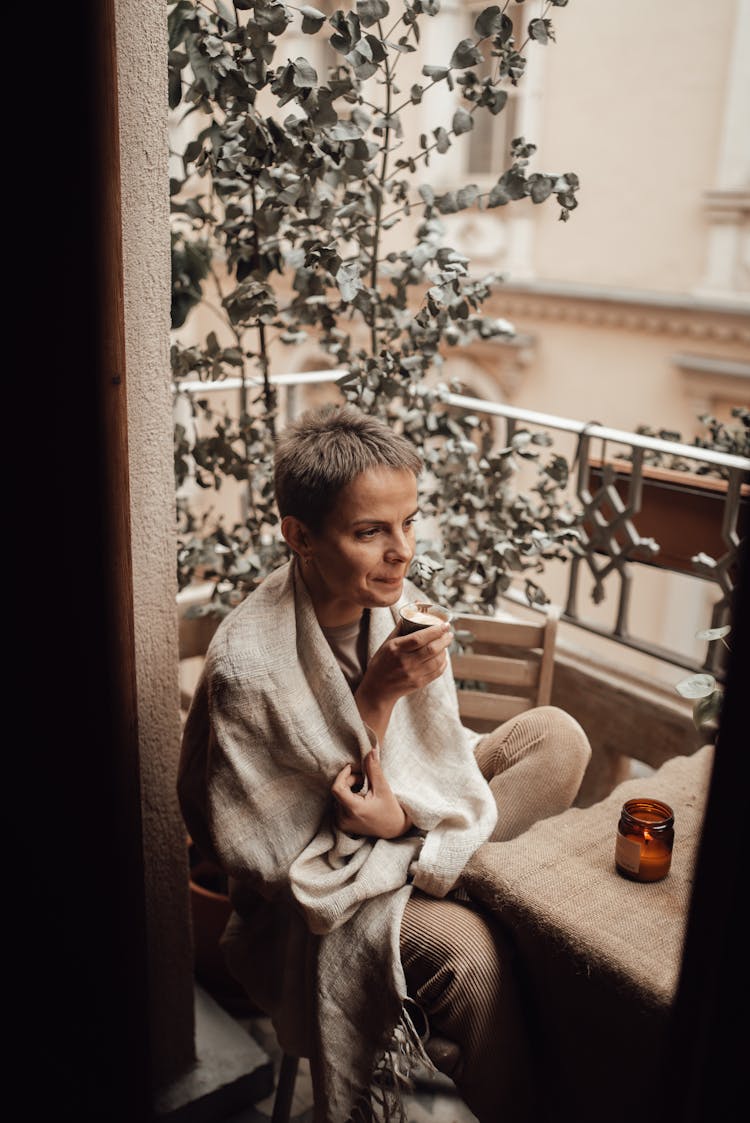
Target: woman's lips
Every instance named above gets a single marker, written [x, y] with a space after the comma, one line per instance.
[389, 580]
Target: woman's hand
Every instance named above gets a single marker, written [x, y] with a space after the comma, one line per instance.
[376, 813]
[401, 665]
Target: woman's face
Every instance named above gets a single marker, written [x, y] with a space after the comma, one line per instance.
[360, 557]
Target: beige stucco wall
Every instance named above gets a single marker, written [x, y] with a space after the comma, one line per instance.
[633, 102]
[142, 52]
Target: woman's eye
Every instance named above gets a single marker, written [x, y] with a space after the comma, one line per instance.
[369, 533]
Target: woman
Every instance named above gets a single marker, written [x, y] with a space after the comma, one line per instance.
[325, 768]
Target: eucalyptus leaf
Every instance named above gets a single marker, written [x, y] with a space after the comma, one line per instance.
[541, 30]
[312, 19]
[437, 73]
[442, 138]
[489, 21]
[347, 31]
[348, 280]
[463, 122]
[271, 17]
[466, 54]
[304, 74]
[540, 187]
[467, 196]
[370, 11]
[697, 686]
[714, 633]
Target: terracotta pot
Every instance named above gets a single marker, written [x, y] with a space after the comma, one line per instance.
[210, 911]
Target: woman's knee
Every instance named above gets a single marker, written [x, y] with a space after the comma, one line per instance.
[538, 731]
[564, 733]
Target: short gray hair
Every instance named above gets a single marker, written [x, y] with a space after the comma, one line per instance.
[325, 449]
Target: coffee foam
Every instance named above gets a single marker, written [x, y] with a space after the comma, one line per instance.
[419, 616]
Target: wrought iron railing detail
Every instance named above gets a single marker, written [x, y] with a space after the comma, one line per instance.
[610, 543]
[602, 534]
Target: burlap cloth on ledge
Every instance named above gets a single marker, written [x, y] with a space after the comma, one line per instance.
[599, 955]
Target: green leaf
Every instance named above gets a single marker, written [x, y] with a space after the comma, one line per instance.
[468, 195]
[347, 31]
[442, 138]
[498, 196]
[272, 18]
[312, 19]
[437, 73]
[706, 711]
[494, 100]
[344, 130]
[305, 76]
[174, 87]
[541, 187]
[488, 22]
[697, 686]
[370, 11]
[447, 203]
[714, 633]
[463, 122]
[226, 13]
[541, 30]
[466, 54]
[348, 280]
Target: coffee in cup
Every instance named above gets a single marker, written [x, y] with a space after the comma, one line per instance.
[421, 614]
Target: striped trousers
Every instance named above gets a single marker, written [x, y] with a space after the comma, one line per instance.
[457, 961]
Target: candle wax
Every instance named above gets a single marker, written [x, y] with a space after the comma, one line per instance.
[655, 859]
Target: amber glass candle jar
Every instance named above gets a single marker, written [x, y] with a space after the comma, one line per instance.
[645, 835]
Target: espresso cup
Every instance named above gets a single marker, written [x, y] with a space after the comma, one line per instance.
[421, 614]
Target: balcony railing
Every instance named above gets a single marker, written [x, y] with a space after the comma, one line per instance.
[610, 490]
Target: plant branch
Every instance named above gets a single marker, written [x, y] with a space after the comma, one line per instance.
[379, 192]
[262, 346]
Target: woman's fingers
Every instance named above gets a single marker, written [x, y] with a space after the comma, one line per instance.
[374, 771]
[426, 637]
[342, 787]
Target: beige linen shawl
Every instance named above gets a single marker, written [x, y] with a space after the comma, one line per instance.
[315, 933]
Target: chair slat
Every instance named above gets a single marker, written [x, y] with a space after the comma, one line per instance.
[491, 707]
[514, 633]
[496, 669]
[195, 633]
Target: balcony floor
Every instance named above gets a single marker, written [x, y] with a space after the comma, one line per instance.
[432, 1101]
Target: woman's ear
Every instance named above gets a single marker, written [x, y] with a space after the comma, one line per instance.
[296, 535]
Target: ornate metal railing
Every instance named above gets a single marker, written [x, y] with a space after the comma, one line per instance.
[617, 531]
[611, 496]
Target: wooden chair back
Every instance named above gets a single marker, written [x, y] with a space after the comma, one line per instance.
[194, 635]
[504, 667]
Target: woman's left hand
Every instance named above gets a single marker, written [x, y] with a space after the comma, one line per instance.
[376, 813]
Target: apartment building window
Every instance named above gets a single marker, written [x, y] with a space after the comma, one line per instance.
[488, 150]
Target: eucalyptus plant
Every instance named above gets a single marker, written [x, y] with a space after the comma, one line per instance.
[731, 437]
[290, 186]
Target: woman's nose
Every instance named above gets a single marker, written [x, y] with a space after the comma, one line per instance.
[399, 548]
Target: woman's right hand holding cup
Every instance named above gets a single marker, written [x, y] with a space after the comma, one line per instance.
[401, 665]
